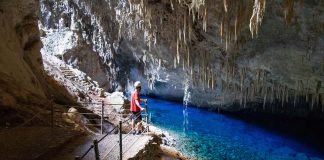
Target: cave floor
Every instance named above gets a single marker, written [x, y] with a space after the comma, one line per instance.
[32, 142]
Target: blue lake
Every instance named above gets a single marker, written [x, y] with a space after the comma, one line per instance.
[209, 135]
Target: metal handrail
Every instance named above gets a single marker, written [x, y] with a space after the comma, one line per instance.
[95, 145]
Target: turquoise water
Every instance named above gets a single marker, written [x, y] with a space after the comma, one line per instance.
[208, 135]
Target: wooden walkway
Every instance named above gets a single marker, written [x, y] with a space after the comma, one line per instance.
[108, 149]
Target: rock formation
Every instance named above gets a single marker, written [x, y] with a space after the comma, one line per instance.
[231, 55]
[20, 60]
[25, 89]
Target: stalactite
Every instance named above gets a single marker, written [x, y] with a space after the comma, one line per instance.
[257, 79]
[236, 28]
[175, 62]
[241, 83]
[205, 76]
[312, 103]
[318, 87]
[193, 16]
[210, 77]
[245, 97]
[272, 93]
[225, 5]
[212, 81]
[264, 79]
[282, 98]
[222, 28]
[179, 34]
[286, 98]
[322, 95]
[278, 91]
[184, 28]
[189, 29]
[238, 20]
[257, 16]
[226, 42]
[205, 20]
[188, 56]
[289, 10]
[252, 85]
[307, 90]
[301, 91]
[178, 53]
[265, 98]
[295, 93]
[183, 64]
[160, 61]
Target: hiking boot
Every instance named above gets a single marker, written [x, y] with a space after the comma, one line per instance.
[138, 132]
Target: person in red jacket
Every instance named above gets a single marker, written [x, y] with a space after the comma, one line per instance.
[136, 108]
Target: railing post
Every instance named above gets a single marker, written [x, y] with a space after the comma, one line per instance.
[96, 149]
[102, 116]
[146, 112]
[120, 141]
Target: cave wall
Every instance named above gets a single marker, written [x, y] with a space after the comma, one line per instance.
[24, 85]
[20, 60]
[84, 33]
[283, 65]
